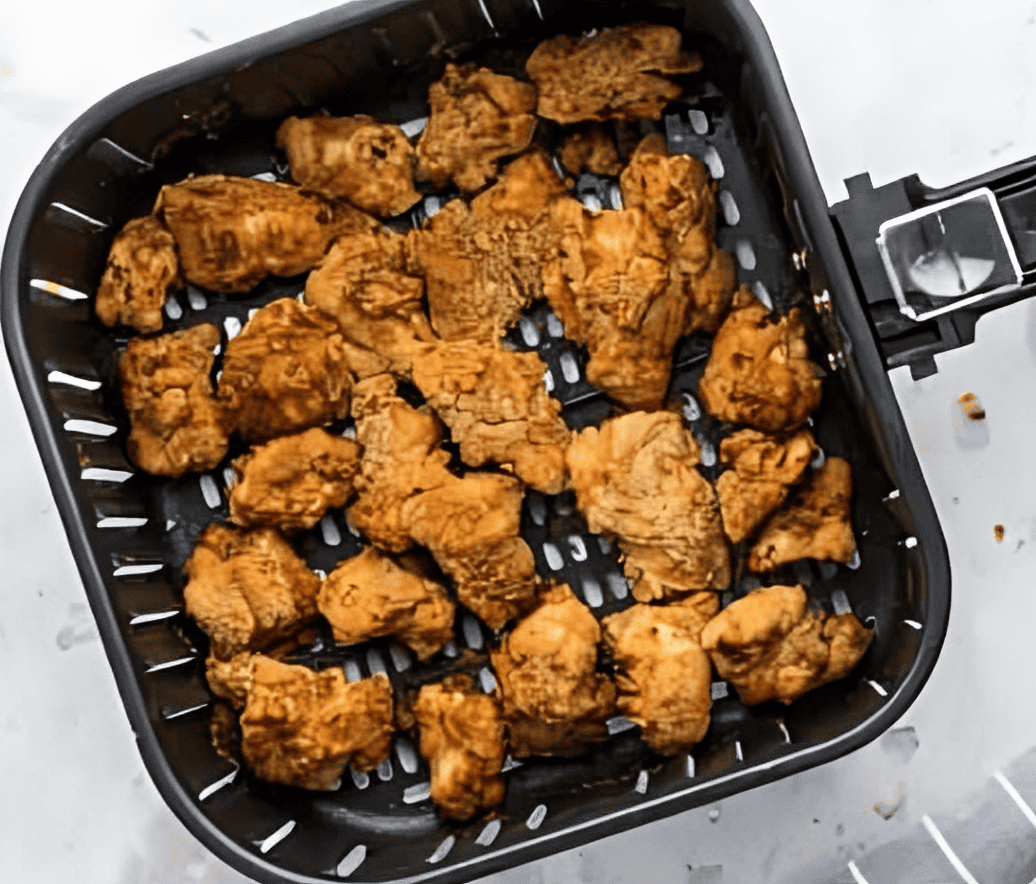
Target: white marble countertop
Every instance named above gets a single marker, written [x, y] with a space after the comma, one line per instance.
[886, 86]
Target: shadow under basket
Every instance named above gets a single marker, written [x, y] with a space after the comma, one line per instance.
[131, 532]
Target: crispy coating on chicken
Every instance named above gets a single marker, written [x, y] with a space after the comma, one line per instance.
[664, 677]
[554, 700]
[613, 75]
[247, 589]
[477, 117]
[286, 371]
[635, 479]
[590, 150]
[815, 524]
[291, 482]
[358, 159]
[483, 265]
[302, 728]
[462, 739]
[772, 648]
[142, 266]
[176, 425]
[470, 526]
[759, 372]
[371, 596]
[402, 457]
[764, 467]
[230, 679]
[498, 409]
[364, 285]
[231, 232]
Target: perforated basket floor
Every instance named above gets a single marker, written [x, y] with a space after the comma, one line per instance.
[131, 532]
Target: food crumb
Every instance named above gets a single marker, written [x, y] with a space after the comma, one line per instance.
[998, 533]
[973, 409]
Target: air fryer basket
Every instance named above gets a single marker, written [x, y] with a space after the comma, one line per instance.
[130, 533]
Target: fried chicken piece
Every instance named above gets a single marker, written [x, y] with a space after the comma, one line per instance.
[231, 232]
[759, 372]
[142, 266]
[358, 159]
[814, 525]
[498, 409]
[401, 458]
[286, 371]
[664, 677]
[302, 728]
[176, 425]
[610, 76]
[370, 596]
[554, 699]
[291, 482]
[230, 679]
[477, 117]
[470, 526]
[363, 284]
[590, 150]
[247, 589]
[772, 648]
[483, 265]
[635, 479]
[462, 739]
[764, 467]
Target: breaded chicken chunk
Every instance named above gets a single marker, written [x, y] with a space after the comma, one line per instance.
[302, 728]
[371, 596]
[498, 410]
[590, 150]
[364, 286]
[763, 468]
[759, 372]
[402, 457]
[231, 232]
[483, 265]
[613, 75]
[470, 526]
[286, 371]
[461, 736]
[142, 267]
[554, 700]
[291, 482]
[247, 589]
[176, 424]
[635, 479]
[771, 647]
[358, 159]
[814, 524]
[477, 117]
[664, 677]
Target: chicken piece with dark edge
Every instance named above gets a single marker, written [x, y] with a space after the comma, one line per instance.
[814, 524]
[554, 700]
[461, 736]
[664, 677]
[358, 159]
[759, 372]
[286, 371]
[303, 728]
[371, 596]
[176, 423]
[291, 482]
[590, 150]
[764, 467]
[617, 74]
[142, 267]
[498, 410]
[771, 646]
[635, 479]
[477, 117]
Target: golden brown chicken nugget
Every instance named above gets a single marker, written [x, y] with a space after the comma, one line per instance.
[176, 424]
[590, 150]
[142, 266]
[358, 159]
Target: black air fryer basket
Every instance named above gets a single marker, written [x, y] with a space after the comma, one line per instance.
[131, 533]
